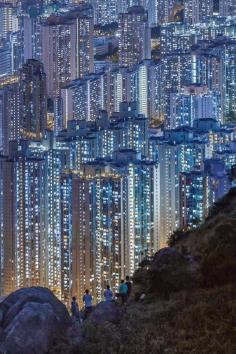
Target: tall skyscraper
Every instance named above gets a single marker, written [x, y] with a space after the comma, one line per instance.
[227, 7]
[225, 53]
[199, 190]
[55, 162]
[194, 102]
[30, 192]
[168, 201]
[10, 112]
[196, 11]
[67, 47]
[176, 38]
[177, 152]
[83, 99]
[23, 104]
[176, 71]
[134, 36]
[147, 89]
[16, 52]
[33, 99]
[110, 216]
[192, 198]
[105, 11]
[24, 245]
[5, 60]
[96, 229]
[30, 37]
[2, 241]
[8, 19]
[160, 10]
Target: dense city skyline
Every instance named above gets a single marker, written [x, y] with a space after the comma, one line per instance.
[117, 128]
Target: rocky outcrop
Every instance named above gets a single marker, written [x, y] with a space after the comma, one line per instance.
[31, 319]
[170, 271]
[106, 311]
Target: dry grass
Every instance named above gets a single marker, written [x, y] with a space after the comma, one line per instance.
[197, 323]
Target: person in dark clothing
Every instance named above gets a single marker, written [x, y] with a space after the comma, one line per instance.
[75, 309]
[129, 286]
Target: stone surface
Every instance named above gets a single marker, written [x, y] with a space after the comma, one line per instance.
[169, 271]
[31, 320]
[172, 271]
[106, 311]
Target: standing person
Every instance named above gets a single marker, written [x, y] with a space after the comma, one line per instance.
[129, 286]
[75, 309]
[87, 299]
[123, 291]
[108, 294]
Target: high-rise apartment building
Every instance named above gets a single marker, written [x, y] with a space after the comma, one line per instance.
[2, 243]
[199, 190]
[105, 11]
[83, 99]
[30, 192]
[159, 11]
[91, 140]
[134, 36]
[113, 227]
[194, 102]
[5, 60]
[177, 152]
[96, 228]
[9, 112]
[176, 72]
[140, 206]
[176, 37]
[67, 47]
[55, 160]
[8, 19]
[192, 198]
[24, 244]
[227, 7]
[223, 52]
[33, 99]
[196, 11]
[23, 104]
[30, 37]
[16, 52]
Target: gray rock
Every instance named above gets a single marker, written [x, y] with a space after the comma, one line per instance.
[172, 271]
[32, 319]
[106, 311]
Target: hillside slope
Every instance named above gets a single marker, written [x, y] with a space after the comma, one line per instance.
[190, 303]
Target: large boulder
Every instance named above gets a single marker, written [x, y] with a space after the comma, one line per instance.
[172, 271]
[31, 319]
[106, 311]
[83, 338]
[169, 271]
